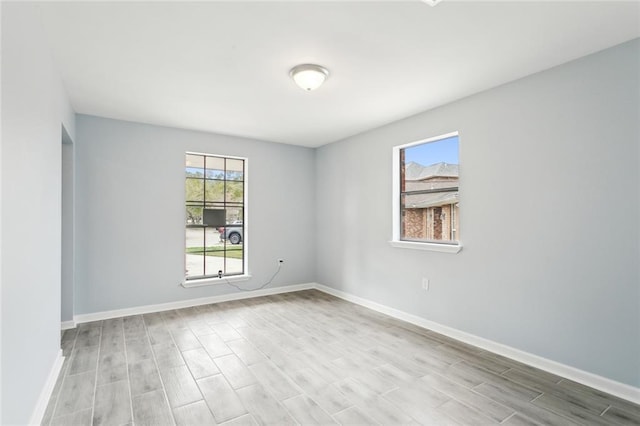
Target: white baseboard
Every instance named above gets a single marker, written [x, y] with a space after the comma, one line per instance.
[66, 325]
[138, 310]
[47, 390]
[595, 381]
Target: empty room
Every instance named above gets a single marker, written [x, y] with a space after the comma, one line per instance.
[320, 212]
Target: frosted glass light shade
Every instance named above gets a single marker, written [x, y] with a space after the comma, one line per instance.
[308, 76]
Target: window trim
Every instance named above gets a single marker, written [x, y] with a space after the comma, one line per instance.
[444, 247]
[212, 280]
[201, 282]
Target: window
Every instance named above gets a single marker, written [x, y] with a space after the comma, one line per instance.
[426, 210]
[215, 193]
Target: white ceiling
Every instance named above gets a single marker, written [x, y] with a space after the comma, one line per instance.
[223, 66]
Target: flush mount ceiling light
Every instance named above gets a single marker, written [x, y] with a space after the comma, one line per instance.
[308, 76]
[432, 2]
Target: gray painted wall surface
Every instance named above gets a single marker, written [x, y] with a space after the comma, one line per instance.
[557, 276]
[549, 190]
[67, 232]
[130, 212]
[33, 107]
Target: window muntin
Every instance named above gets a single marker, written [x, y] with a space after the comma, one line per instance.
[428, 204]
[215, 194]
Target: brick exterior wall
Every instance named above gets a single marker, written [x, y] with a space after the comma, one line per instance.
[433, 223]
[414, 224]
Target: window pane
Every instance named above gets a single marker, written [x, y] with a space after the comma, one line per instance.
[213, 217]
[215, 168]
[214, 190]
[234, 259]
[235, 214]
[194, 189]
[194, 241]
[214, 242]
[430, 217]
[233, 233]
[234, 192]
[212, 239]
[194, 165]
[215, 254]
[429, 177]
[234, 251]
[430, 165]
[438, 151]
[213, 264]
[194, 265]
[194, 215]
[235, 169]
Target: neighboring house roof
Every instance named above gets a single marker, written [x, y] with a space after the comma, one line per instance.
[415, 171]
[420, 185]
[435, 176]
[434, 199]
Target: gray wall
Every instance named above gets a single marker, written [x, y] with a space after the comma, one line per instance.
[549, 193]
[130, 212]
[33, 107]
[67, 231]
[550, 205]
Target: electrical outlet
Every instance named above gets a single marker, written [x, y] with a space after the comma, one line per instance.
[425, 284]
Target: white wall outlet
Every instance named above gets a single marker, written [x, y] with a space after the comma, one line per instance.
[425, 284]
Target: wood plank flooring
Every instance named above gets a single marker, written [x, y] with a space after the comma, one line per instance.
[303, 358]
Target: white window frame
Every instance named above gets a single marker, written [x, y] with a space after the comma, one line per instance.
[206, 281]
[448, 247]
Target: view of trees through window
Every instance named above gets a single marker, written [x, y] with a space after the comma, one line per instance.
[214, 228]
[429, 209]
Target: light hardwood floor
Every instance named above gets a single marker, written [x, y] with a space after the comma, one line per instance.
[303, 358]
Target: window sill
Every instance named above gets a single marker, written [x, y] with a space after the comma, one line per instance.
[443, 248]
[214, 281]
